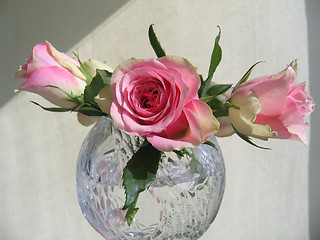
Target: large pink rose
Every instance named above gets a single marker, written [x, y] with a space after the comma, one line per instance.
[272, 106]
[157, 98]
[47, 66]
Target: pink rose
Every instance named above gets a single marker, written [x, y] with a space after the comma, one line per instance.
[157, 98]
[47, 66]
[272, 107]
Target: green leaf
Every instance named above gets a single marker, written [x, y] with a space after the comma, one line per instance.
[180, 154]
[155, 43]
[84, 70]
[53, 109]
[170, 160]
[294, 65]
[219, 108]
[246, 76]
[105, 75]
[91, 111]
[216, 57]
[194, 160]
[73, 98]
[248, 139]
[219, 113]
[230, 105]
[218, 89]
[201, 79]
[138, 175]
[101, 79]
[130, 216]
[216, 104]
[211, 144]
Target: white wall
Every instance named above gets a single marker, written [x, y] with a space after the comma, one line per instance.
[267, 194]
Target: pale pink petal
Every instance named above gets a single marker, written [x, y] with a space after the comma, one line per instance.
[271, 90]
[117, 78]
[67, 62]
[133, 125]
[296, 88]
[298, 132]
[292, 114]
[209, 125]
[59, 56]
[151, 64]
[55, 76]
[188, 72]
[116, 114]
[293, 131]
[166, 144]
[304, 102]
[225, 129]
[275, 124]
[122, 69]
[189, 137]
[177, 128]
[40, 57]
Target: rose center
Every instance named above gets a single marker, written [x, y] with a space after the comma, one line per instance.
[149, 99]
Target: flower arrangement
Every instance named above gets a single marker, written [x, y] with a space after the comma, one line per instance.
[168, 103]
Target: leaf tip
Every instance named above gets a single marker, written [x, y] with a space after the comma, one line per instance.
[130, 215]
[248, 139]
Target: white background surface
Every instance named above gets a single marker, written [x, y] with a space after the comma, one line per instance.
[269, 194]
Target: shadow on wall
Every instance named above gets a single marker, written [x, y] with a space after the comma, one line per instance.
[313, 19]
[23, 24]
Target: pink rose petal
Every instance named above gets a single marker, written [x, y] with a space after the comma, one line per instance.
[55, 76]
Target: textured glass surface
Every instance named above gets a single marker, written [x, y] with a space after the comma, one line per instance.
[180, 204]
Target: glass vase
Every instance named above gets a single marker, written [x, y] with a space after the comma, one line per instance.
[181, 203]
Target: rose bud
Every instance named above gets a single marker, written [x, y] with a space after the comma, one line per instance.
[47, 66]
[272, 106]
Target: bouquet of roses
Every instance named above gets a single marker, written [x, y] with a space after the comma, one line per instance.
[165, 101]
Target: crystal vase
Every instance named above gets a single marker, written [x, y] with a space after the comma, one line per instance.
[180, 204]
